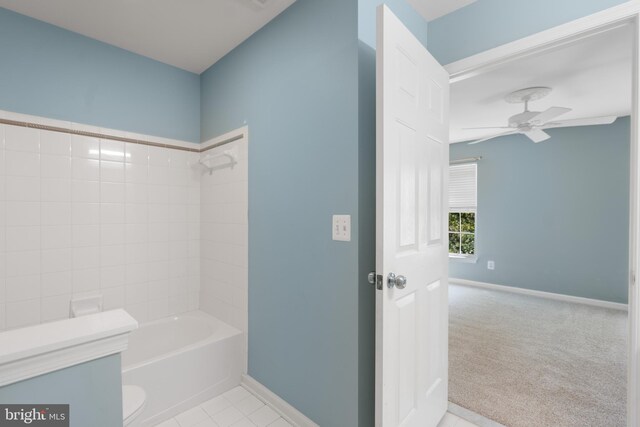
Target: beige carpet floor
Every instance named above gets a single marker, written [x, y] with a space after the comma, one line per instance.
[525, 361]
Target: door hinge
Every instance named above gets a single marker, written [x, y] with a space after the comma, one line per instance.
[632, 278]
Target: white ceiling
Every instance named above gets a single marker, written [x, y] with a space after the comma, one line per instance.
[434, 9]
[191, 35]
[592, 76]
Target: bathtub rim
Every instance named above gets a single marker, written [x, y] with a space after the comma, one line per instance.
[222, 331]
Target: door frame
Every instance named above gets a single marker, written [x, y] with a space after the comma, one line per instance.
[625, 14]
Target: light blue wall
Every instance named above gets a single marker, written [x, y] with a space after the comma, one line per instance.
[93, 391]
[486, 24]
[295, 83]
[553, 216]
[47, 71]
[305, 85]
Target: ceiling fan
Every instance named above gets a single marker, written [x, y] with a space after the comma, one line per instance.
[532, 123]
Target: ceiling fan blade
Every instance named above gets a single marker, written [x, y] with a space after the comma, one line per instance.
[548, 115]
[605, 120]
[537, 135]
[511, 132]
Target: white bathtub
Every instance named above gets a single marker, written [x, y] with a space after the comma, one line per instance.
[182, 361]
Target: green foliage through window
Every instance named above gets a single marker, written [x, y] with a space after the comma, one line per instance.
[462, 229]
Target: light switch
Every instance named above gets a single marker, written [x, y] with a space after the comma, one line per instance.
[342, 228]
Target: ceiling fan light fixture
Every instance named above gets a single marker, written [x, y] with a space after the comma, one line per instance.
[527, 94]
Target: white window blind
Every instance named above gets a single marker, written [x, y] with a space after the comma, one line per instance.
[463, 187]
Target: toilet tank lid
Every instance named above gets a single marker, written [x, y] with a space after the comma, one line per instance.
[133, 398]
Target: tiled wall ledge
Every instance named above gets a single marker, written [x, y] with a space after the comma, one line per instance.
[37, 350]
[36, 122]
[79, 127]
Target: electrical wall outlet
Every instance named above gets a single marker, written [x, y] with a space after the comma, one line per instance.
[491, 265]
[341, 228]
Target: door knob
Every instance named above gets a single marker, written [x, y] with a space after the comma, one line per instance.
[399, 282]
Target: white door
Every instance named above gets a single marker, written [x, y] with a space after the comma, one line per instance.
[411, 234]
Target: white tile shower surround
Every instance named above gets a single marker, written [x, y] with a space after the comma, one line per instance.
[240, 408]
[224, 239]
[82, 216]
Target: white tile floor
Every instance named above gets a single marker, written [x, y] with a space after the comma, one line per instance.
[235, 408]
[239, 408]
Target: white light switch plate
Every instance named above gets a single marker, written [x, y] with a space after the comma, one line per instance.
[342, 228]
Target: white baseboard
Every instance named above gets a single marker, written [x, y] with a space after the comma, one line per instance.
[286, 411]
[541, 294]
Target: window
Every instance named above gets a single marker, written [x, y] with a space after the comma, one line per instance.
[462, 229]
[462, 209]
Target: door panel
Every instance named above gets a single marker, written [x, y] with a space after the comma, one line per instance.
[407, 220]
[407, 372]
[436, 205]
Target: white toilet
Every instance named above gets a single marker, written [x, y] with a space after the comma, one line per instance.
[133, 401]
